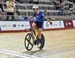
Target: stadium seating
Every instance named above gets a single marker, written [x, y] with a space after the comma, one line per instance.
[25, 8]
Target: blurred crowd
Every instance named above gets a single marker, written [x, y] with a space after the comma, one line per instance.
[7, 9]
[63, 6]
[59, 4]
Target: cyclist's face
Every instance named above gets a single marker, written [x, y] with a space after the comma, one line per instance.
[35, 10]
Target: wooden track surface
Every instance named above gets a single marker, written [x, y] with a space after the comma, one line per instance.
[59, 44]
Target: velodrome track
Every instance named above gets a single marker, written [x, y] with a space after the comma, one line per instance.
[59, 44]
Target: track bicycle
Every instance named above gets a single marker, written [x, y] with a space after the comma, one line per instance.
[29, 40]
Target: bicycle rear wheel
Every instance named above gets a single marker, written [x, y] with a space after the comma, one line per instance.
[28, 42]
[41, 41]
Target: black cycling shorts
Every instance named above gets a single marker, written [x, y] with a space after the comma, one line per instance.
[39, 24]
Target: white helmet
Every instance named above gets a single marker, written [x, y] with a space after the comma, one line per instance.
[35, 6]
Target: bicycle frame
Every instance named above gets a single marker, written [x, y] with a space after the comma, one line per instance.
[35, 31]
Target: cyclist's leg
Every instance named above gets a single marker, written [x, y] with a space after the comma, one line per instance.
[39, 34]
[39, 29]
[35, 28]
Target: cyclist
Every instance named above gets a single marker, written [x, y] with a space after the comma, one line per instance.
[38, 20]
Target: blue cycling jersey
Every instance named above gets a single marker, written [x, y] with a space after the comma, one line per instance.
[39, 17]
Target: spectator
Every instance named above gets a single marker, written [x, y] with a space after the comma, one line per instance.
[59, 5]
[2, 17]
[1, 6]
[10, 5]
[19, 17]
[69, 4]
[66, 7]
[61, 1]
[56, 4]
[35, 1]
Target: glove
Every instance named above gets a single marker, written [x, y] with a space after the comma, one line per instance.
[50, 23]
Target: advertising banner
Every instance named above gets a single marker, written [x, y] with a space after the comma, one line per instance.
[14, 25]
[54, 25]
[73, 23]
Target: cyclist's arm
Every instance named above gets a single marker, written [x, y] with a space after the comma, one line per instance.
[30, 17]
[48, 19]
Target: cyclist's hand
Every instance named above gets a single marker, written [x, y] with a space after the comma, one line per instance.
[50, 23]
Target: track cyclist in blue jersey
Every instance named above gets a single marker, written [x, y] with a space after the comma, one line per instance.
[38, 20]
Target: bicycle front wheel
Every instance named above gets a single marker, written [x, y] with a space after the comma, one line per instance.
[28, 42]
